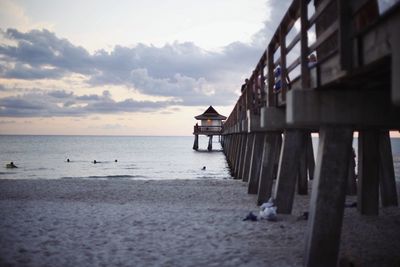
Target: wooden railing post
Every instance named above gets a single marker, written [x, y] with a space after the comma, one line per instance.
[345, 34]
[282, 42]
[305, 70]
[262, 81]
[270, 76]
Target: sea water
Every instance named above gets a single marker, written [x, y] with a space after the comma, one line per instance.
[117, 157]
[137, 157]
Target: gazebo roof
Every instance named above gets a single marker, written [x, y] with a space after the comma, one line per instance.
[211, 114]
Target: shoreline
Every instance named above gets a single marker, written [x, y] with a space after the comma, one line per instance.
[169, 223]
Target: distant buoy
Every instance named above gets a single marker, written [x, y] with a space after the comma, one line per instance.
[67, 160]
[94, 161]
[115, 160]
[204, 168]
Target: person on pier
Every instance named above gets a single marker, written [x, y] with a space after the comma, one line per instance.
[244, 86]
[278, 81]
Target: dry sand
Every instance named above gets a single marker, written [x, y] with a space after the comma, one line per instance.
[168, 223]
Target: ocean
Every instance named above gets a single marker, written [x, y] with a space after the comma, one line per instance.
[138, 157]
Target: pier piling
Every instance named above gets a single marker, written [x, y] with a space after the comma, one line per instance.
[271, 151]
[328, 196]
[292, 147]
[255, 163]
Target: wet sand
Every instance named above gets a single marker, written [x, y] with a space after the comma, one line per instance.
[168, 223]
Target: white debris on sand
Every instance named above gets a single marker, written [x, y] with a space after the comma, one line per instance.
[167, 223]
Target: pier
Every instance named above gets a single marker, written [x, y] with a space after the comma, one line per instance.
[346, 80]
[211, 125]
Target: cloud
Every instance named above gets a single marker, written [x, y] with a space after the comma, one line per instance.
[277, 10]
[112, 126]
[183, 89]
[181, 71]
[26, 72]
[7, 122]
[61, 104]
[41, 48]
[60, 94]
[11, 13]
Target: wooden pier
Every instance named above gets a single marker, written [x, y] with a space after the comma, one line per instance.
[211, 125]
[352, 86]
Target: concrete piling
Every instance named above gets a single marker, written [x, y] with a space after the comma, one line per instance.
[247, 158]
[209, 147]
[271, 151]
[328, 196]
[387, 182]
[196, 142]
[293, 145]
[255, 163]
[368, 172]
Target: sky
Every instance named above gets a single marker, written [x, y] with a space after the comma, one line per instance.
[127, 67]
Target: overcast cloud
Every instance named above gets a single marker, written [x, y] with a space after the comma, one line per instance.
[185, 73]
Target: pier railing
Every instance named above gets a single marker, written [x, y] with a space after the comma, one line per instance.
[207, 130]
[284, 65]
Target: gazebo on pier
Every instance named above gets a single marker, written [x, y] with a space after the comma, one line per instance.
[211, 124]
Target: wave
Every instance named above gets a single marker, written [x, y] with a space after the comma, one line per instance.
[106, 177]
[116, 176]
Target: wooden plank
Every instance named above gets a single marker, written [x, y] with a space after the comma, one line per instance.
[294, 64]
[305, 70]
[263, 89]
[295, 40]
[368, 172]
[327, 197]
[325, 36]
[357, 6]
[290, 16]
[345, 34]
[395, 67]
[328, 69]
[321, 8]
[271, 80]
[277, 62]
[284, 85]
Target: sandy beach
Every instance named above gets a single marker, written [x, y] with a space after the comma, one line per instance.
[168, 223]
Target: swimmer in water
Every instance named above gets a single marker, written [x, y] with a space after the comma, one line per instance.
[11, 165]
